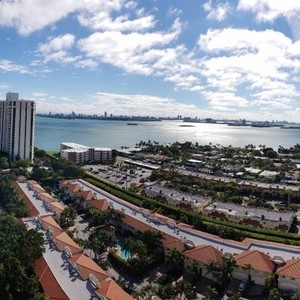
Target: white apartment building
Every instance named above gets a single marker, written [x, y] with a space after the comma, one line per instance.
[17, 122]
[82, 154]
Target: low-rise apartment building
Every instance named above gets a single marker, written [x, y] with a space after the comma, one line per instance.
[80, 154]
[254, 216]
[180, 199]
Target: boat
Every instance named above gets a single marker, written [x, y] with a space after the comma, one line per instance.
[186, 125]
[132, 123]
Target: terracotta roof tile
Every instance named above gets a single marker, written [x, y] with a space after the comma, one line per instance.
[56, 206]
[171, 242]
[204, 254]
[258, 260]
[31, 208]
[290, 269]
[88, 266]
[85, 195]
[112, 291]
[46, 197]
[62, 240]
[73, 187]
[136, 224]
[101, 204]
[49, 283]
[48, 222]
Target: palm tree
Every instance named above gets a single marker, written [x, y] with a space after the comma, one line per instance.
[176, 259]
[165, 292]
[236, 296]
[210, 293]
[152, 238]
[212, 267]
[193, 272]
[222, 272]
[145, 292]
[67, 217]
[274, 294]
[271, 281]
[296, 296]
[185, 290]
[248, 268]
[226, 271]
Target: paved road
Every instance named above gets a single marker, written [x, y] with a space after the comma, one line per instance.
[197, 237]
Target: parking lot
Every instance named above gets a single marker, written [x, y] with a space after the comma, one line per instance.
[120, 174]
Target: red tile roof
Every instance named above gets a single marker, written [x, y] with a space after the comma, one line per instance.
[101, 204]
[171, 242]
[259, 261]
[48, 222]
[290, 269]
[87, 266]
[204, 254]
[32, 210]
[136, 224]
[86, 195]
[49, 283]
[111, 291]
[73, 187]
[46, 197]
[62, 240]
[56, 206]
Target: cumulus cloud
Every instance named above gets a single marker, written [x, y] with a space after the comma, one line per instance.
[216, 11]
[260, 62]
[127, 51]
[270, 10]
[56, 49]
[103, 21]
[28, 16]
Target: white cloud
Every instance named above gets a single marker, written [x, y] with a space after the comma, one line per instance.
[260, 63]
[28, 16]
[103, 21]
[127, 51]
[118, 104]
[56, 49]
[8, 66]
[86, 63]
[270, 10]
[217, 12]
[58, 43]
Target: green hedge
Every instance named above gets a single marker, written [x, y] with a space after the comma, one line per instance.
[215, 226]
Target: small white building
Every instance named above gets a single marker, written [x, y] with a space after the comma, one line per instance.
[82, 154]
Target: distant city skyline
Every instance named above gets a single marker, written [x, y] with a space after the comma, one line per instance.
[219, 59]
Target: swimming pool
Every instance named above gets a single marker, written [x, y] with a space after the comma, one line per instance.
[121, 252]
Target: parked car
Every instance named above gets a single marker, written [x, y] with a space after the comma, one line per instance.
[242, 286]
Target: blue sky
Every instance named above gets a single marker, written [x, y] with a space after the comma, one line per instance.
[222, 59]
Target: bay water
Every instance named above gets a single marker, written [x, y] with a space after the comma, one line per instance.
[51, 132]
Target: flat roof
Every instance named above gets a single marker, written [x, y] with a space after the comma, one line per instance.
[252, 212]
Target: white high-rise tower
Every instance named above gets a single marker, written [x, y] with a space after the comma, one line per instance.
[17, 120]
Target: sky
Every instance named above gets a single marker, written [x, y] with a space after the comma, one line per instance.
[198, 58]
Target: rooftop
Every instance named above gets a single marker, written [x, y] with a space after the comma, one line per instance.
[290, 269]
[259, 261]
[205, 254]
[250, 212]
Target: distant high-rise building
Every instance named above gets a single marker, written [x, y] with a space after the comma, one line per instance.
[17, 122]
[105, 114]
